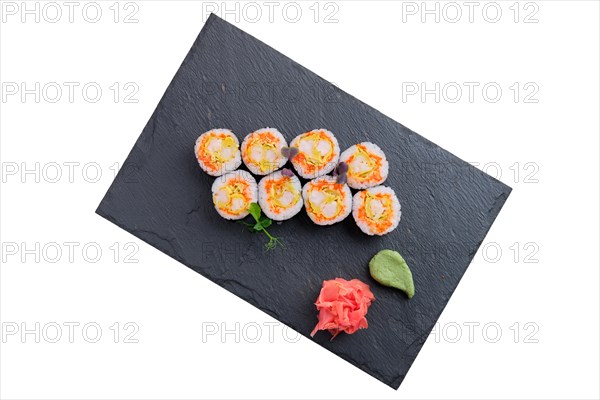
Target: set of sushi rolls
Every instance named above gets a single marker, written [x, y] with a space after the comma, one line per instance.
[233, 193]
[318, 153]
[218, 152]
[367, 165]
[261, 151]
[376, 210]
[326, 201]
[280, 195]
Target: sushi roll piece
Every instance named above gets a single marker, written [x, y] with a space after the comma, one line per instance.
[318, 153]
[367, 165]
[233, 193]
[376, 210]
[327, 201]
[218, 152]
[261, 151]
[280, 195]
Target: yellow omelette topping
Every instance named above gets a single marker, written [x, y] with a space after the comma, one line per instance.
[282, 193]
[216, 149]
[364, 166]
[236, 198]
[370, 163]
[326, 200]
[315, 157]
[376, 210]
[262, 151]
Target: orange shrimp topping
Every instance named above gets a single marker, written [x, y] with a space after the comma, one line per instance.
[378, 220]
[281, 194]
[214, 159]
[265, 142]
[315, 161]
[333, 195]
[234, 197]
[372, 162]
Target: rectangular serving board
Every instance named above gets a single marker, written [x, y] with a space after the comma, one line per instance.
[231, 80]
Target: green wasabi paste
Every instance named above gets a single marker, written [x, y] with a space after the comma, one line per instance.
[389, 268]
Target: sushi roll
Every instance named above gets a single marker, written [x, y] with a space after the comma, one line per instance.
[376, 210]
[318, 153]
[280, 195]
[327, 201]
[261, 151]
[233, 193]
[367, 165]
[218, 152]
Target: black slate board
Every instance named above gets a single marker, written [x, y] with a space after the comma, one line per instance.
[232, 80]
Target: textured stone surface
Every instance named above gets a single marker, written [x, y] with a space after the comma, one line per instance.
[231, 80]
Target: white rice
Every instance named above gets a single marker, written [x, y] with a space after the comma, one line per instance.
[385, 217]
[236, 205]
[287, 204]
[319, 209]
[215, 148]
[262, 160]
[313, 150]
[369, 154]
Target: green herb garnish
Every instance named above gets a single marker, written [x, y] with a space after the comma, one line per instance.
[261, 222]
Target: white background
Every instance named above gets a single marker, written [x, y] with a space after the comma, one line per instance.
[375, 51]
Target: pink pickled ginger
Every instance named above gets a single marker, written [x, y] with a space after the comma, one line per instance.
[342, 306]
